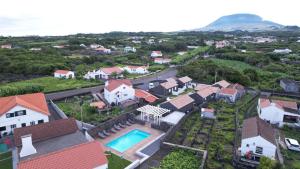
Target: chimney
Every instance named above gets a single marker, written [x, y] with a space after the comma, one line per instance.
[27, 147]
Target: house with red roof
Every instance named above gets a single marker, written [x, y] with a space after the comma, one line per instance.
[162, 60]
[208, 113]
[155, 54]
[222, 84]
[229, 95]
[22, 110]
[108, 72]
[278, 111]
[205, 93]
[136, 69]
[145, 96]
[117, 91]
[183, 103]
[66, 74]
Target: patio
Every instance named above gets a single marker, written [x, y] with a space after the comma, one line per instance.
[130, 153]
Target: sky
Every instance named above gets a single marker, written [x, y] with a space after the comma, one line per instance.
[63, 17]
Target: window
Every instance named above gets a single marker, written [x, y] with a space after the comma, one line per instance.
[32, 123]
[125, 95]
[2, 128]
[259, 150]
[124, 87]
[13, 126]
[247, 145]
[40, 121]
[9, 115]
[23, 125]
[20, 113]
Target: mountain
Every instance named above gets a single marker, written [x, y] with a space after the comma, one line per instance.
[243, 22]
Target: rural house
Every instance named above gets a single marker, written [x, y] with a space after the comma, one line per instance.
[22, 110]
[117, 91]
[184, 82]
[182, 103]
[162, 60]
[155, 54]
[136, 69]
[165, 88]
[109, 72]
[258, 139]
[66, 74]
[228, 95]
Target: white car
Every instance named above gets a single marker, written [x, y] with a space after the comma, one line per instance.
[292, 144]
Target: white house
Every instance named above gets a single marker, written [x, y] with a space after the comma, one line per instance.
[7, 46]
[106, 73]
[128, 49]
[162, 60]
[22, 110]
[117, 91]
[222, 44]
[278, 111]
[227, 94]
[103, 50]
[282, 51]
[95, 46]
[64, 74]
[155, 54]
[258, 139]
[208, 113]
[95, 74]
[136, 69]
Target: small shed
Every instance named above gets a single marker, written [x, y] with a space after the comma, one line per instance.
[208, 113]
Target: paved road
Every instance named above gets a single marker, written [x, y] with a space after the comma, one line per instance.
[171, 72]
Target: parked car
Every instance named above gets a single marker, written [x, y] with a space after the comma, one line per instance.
[292, 144]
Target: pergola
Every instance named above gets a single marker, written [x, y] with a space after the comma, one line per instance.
[152, 111]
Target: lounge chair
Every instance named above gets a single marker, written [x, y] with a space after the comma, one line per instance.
[122, 125]
[113, 130]
[101, 135]
[106, 133]
[117, 127]
[130, 121]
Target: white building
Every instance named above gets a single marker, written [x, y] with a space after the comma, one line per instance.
[95, 74]
[278, 111]
[162, 60]
[95, 46]
[136, 69]
[282, 51]
[106, 73]
[128, 49]
[7, 46]
[222, 44]
[103, 50]
[227, 94]
[22, 110]
[64, 74]
[258, 139]
[117, 91]
[155, 54]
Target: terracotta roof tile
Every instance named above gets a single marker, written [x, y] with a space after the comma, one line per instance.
[286, 104]
[110, 70]
[208, 91]
[98, 104]
[185, 79]
[83, 156]
[34, 101]
[45, 131]
[145, 95]
[228, 91]
[181, 101]
[255, 126]
[115, 83]
[223, 83]
[264, 102]
[62, 72]
[169, 84]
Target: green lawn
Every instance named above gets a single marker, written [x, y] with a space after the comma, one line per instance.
[6, 161]
[178, 59]
[115, 162]
[51, 84]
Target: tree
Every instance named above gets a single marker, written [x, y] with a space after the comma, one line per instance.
[267, 163]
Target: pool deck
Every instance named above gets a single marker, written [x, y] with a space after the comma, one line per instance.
[129, 154]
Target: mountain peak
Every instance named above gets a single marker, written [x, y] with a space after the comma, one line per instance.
[244, 22]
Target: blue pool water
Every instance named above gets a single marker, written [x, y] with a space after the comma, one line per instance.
[128, 140]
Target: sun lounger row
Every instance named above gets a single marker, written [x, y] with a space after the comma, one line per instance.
[116, 127]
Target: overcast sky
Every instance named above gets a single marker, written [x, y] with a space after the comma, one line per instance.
[61, 17]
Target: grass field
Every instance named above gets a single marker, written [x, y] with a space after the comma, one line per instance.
[52, 84]
[115, 162]
[6, 161]
[178, 59]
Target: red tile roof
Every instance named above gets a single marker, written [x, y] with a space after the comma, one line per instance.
[157, 52]
[113, 84]
[145, 95]
[228, 91]
[255, 126]
[98, 104]
[286, 104]
[45, 131]
[181, 101]
[136, 67]
[83, 156]
[264, 102]
[64, 72]
[110, 70]
[162, 59]
[223, 83]
[208, 91]
[36, 102]
[185, 79]
[207, 110]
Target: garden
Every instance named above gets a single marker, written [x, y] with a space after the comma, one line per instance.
[116, 162]
[6, 160]
[72, 108]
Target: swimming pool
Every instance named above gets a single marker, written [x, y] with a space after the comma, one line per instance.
[128, 140]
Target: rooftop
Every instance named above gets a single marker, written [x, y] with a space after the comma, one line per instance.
[62, 71]
[145, 95]
[34, 101]
[223, 83]
[113, 84]
[83, 156]
[185, 79]
[181, 101]
[110, 70]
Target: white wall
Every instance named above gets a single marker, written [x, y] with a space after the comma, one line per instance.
[105, 166]
[269, 149]
[125, 93]
[70, 74]
[139, 70]
[30, 116]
